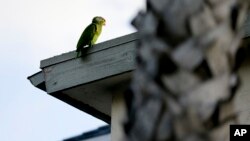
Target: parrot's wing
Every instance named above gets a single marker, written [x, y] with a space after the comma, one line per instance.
[86, 36]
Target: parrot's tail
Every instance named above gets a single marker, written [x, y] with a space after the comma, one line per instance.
[78, 54]
[82, 52]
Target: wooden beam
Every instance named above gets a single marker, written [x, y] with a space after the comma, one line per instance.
[64, 73]
[98, 47]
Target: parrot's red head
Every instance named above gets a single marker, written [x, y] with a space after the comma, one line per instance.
[99, 20]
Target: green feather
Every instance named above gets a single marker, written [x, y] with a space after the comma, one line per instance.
[90, 35]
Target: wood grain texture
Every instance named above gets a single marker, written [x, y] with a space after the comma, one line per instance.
[98, 47]
[98, 65]
[37, 80]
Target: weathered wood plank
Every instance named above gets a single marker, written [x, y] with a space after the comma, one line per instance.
[37, 80]
[98, 47]
[98, 65]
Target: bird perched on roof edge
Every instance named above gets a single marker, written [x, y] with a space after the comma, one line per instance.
[90, 35]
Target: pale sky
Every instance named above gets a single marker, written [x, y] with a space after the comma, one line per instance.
[33, 30]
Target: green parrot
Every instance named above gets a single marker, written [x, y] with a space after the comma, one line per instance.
[90, 35]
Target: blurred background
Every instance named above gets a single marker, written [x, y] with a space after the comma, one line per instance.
[33, 30]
